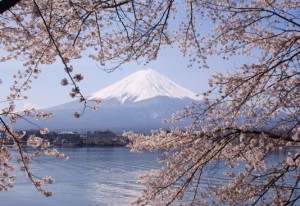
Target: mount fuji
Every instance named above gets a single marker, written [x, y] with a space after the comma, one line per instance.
[138, 102]
[143, 85]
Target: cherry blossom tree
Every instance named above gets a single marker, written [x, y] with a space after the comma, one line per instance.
[40, 32]
[248, 113]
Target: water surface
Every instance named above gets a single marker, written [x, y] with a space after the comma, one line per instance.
[94, 177]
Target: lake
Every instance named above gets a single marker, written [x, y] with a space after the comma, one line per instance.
[91, 177]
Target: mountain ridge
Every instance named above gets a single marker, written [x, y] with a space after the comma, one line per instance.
[153, 99]
[143, 85]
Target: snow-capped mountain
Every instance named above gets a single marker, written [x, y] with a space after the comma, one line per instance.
[138, 102]
[143, 85]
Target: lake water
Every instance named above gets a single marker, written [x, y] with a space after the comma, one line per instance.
[91, 177]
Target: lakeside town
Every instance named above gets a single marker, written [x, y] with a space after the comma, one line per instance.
[75, 139]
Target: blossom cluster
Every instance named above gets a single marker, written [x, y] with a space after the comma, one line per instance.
[248, 114]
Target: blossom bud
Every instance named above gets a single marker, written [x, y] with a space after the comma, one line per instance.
[64, 82]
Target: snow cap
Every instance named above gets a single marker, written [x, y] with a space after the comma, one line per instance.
[142, 85]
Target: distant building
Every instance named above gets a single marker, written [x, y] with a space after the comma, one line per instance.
[102, 134]
[97, 138]
[67, 139]
[103, 138]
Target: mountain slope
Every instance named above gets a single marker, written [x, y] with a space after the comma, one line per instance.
[142, 85]
[138, 102]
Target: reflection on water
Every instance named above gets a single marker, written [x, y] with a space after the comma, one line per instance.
[92, 176]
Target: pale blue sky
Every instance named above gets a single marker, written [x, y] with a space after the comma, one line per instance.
[47, 91]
